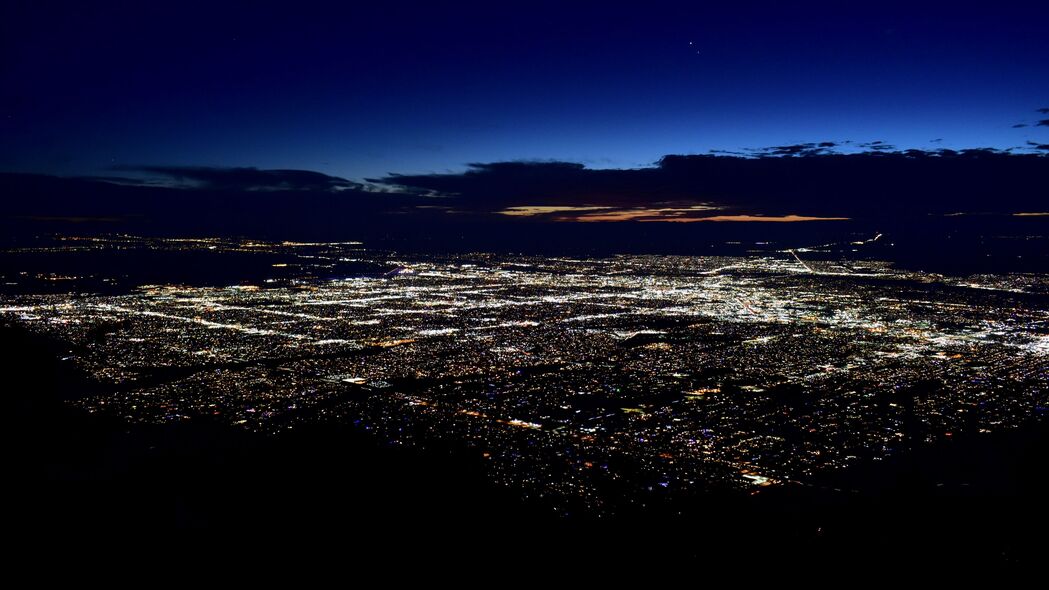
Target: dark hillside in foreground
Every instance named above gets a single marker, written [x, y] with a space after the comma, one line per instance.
[976, 501]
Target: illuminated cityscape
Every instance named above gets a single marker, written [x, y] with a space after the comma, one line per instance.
[594, 288]
[587, 383]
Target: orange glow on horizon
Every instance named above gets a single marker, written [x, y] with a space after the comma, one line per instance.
[534, 210]
[649, 214]
[752, 218]
[680, 214]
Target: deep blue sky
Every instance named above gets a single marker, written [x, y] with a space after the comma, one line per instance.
[361, 92]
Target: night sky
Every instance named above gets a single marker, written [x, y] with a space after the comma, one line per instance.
[830, 348]
[405, 97]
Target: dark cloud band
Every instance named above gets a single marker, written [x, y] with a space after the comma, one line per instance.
[803, 180]
[244, 179]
